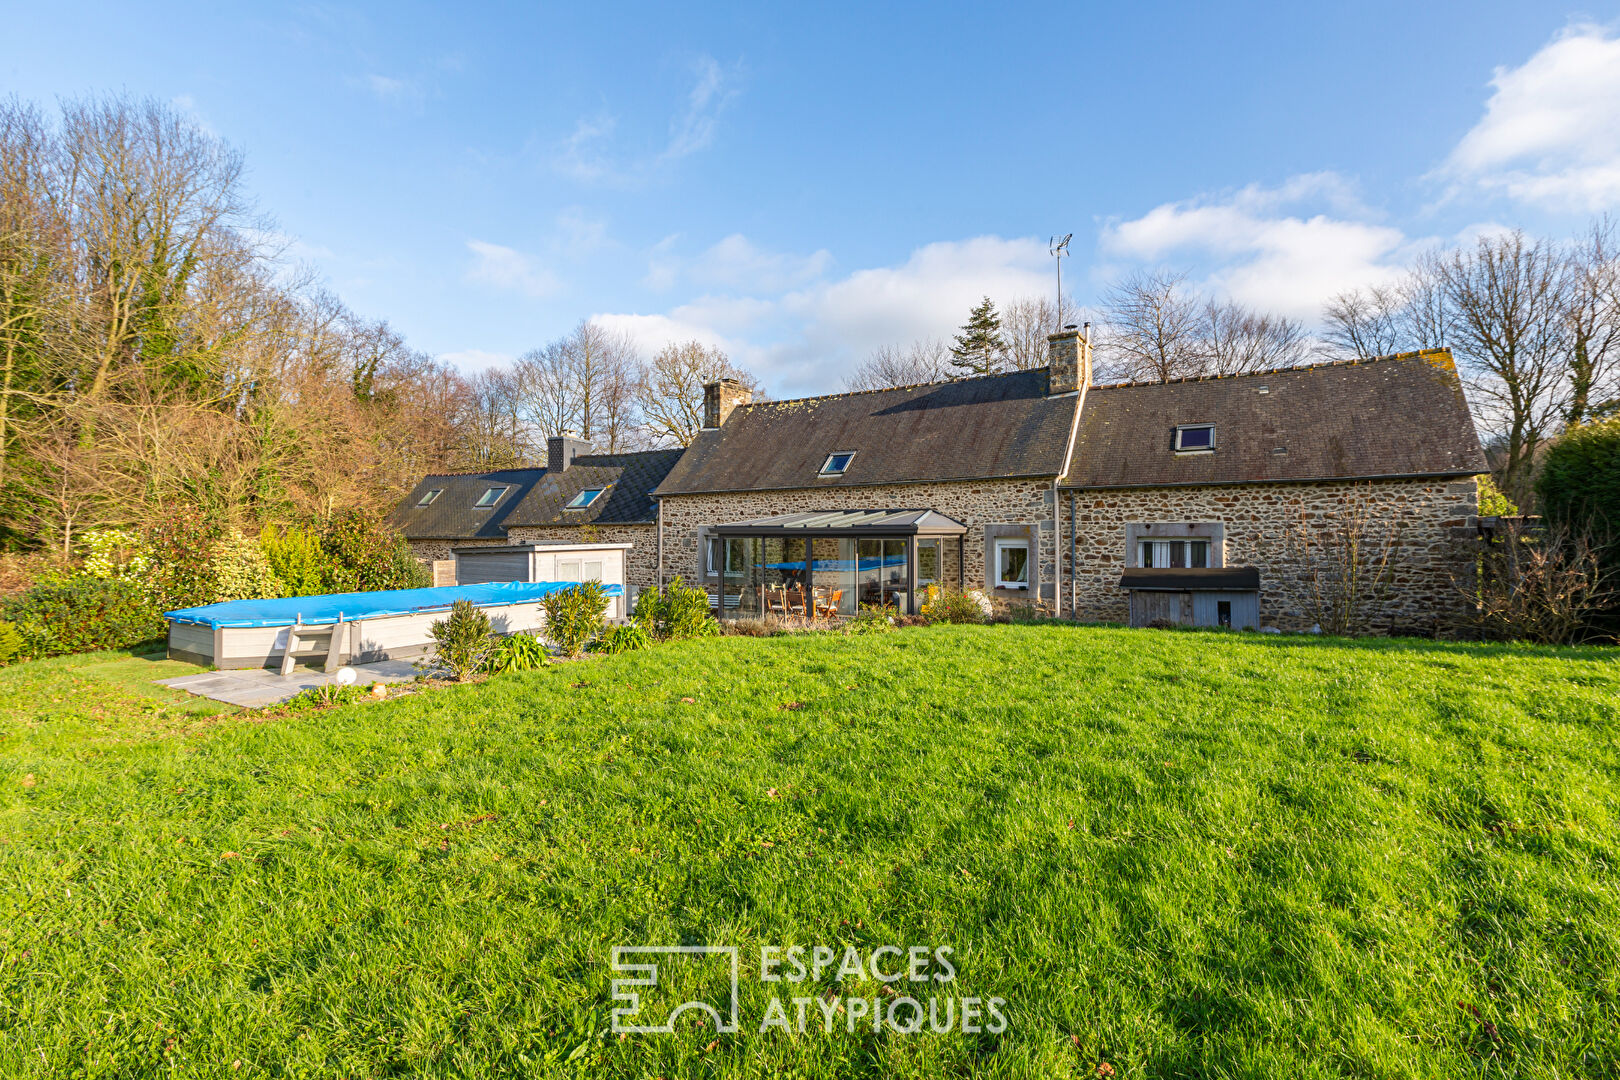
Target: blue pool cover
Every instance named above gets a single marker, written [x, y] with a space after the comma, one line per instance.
[367, 605]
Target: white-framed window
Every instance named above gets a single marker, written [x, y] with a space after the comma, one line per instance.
[584, 498]
[1164, 554]
[713, 550]
[427, 499]
[491, 496]
[1012, 564]
[837, 463]
[1195, 438]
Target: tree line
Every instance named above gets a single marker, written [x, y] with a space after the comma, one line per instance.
[159, 349]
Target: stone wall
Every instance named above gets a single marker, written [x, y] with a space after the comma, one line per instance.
[640, 562]
[1264, 526]
[976, 504]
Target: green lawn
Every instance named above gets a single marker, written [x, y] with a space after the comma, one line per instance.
[1183, 854]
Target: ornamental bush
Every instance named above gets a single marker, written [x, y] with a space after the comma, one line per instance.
[297, 558]
[11, 644]
[366, 554]
[464, 640]
[574, 616]
[517, 652]
[620, 639]
[242, 570]
[81, 614]
[1579, 483]
[182, 552]
[679, 612]
[947, 606]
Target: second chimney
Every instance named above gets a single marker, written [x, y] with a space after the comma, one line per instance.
[720, 398]
[561, 450]
[1069, 359]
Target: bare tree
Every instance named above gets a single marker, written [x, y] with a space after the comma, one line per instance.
[1549, 587]
[546, 392]
[1593, 322]
[1364, 323]
[1151, 328]
[1508, 302]
[493, 429]
[672, 389]
[923, 361]
[1026, 323]
[1238, 340]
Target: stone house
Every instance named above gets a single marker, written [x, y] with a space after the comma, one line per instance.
[1209, 500]
[577, 496]
[1214, 500]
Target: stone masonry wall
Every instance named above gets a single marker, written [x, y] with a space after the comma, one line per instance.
[640, 562]
[1263, 528]
[974, 503]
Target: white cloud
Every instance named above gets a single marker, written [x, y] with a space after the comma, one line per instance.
[1257, 252]
[736, 263]
[508, 268]
[804, 340]
[589, 156]
[1551, 130]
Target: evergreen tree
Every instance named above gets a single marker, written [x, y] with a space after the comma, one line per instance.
[979, 348]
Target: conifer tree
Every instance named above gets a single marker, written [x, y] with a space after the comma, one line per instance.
[979, 348]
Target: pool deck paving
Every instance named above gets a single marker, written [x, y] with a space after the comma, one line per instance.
[257, 688]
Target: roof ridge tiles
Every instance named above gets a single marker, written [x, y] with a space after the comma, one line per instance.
[888, 389]
[1286, 369]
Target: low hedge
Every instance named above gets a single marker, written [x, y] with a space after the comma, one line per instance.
[83, 614]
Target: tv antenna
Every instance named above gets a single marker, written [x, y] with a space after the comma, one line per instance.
[1058, 248]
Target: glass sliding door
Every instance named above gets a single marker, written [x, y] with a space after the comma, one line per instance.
[883, 572]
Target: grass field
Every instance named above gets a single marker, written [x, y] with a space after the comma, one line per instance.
[1180, 854]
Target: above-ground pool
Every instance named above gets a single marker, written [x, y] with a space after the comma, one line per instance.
[345, 628]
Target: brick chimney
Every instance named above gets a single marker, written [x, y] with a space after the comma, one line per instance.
[1069, 359]
[719, 398]
[561, 450]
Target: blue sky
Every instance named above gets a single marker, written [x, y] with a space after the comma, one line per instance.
[801, 184]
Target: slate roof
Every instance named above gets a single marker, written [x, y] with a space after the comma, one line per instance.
[536, 497]
[629, 478]
[1401, 415]
[966, 429]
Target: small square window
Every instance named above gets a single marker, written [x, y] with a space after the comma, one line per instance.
[491, 497]
[1193, 437]
[1012, 564]
[837, 463]
[427, 500]
[584, 498]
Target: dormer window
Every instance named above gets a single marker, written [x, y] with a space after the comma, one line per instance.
[837, 463]
[427, 500]
[584, 498]
[490, 497]
[1195, 438]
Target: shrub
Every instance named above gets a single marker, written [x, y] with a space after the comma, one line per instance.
[12, 645]
[574, 616]
[296, 556]
[1551, 588]
[82, 613]
[1579, 483]
[327, 695]
[182, 546]
[679, 612]
[620, 639]
[1492, 501]
[517, 652]
[365, 554]
[764, 626]
[947, 606]
[464, 640]
[114, 553]
[871, 620]
[242, 571]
